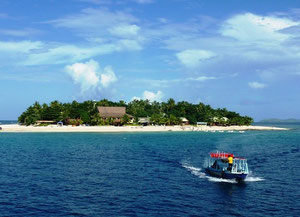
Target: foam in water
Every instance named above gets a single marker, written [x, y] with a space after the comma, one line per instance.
[198, 172]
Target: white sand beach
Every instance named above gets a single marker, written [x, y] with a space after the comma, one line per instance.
[54, 128]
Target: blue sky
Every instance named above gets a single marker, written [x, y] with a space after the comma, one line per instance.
[242, 55]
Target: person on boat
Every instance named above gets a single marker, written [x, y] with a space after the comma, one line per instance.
[230, 162]
[215, 165]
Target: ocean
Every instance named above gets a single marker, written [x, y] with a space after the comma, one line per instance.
[8, 122]
[147, 174]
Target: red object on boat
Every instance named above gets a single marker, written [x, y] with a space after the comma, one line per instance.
[220, 155]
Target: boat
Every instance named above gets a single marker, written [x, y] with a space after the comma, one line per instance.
[218, 166]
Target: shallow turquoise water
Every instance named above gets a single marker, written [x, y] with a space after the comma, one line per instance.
[146, 174]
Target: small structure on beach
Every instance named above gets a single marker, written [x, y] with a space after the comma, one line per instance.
[116, 113]
[200, 123]
[144, 121]
[60, 124]
[44, 122]
[184, 121]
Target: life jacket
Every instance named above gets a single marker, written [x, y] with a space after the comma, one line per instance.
[230, 160]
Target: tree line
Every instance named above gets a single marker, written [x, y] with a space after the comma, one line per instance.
[162, 113]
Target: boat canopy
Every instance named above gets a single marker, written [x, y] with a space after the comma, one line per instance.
[220, 155]
[223, 155]
[218, 160]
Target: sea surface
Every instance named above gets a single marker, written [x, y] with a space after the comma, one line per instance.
[8, 122]
[147, 174]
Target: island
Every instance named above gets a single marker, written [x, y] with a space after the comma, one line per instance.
[136, 116]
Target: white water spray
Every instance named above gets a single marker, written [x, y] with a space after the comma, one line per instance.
[201, 174]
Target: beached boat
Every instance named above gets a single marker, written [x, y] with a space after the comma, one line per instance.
[218, 166]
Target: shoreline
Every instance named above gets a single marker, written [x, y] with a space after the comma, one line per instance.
[111, 129]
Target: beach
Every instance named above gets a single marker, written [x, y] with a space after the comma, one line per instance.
[55, 128]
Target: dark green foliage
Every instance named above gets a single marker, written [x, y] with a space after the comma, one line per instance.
[125, 119]
[164, 113]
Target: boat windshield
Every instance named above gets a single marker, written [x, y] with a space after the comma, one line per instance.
[240, 165]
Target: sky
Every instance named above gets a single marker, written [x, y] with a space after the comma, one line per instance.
[242, 55]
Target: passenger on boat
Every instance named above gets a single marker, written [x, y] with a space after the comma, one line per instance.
[215, 165]
[230, 162]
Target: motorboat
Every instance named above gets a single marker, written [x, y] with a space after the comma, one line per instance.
[218, 166]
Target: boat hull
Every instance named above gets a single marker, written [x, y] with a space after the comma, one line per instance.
[225, 174]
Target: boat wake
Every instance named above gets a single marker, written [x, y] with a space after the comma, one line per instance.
[201, 174]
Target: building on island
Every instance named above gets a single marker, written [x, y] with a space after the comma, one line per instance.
[144, 121]
[199, 123]
[44, 122]
[116, 113]
[184, 121]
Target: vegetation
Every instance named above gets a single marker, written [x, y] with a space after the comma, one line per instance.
[165, 113]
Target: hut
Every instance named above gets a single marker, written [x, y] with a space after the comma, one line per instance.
[144, 121]
[116, 113]
[184, 121]
[200, 123]
[44, 122]
[60, 124]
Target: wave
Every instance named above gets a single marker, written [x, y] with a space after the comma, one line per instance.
[201, 174]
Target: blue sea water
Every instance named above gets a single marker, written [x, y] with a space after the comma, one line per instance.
[146, 174]
[8, 122]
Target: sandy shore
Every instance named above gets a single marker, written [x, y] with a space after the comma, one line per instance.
[54, 128]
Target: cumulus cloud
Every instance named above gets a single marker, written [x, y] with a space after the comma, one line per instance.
[192, 58]
[108, 77]
[251, 27]
[151, 96]
[256, 85]
[89, 75]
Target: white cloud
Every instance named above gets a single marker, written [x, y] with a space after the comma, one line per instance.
[108, 77]
[256, 85]
[193, 58]
[89, 75]
[125, 30]
[117, 28]
[200, 78]
[251, 27]
[66, 53]
[176, 81]
[86, 75]
[96, 22]
[39, 53]
[59, 54]
[151, 96]
[20, 46]
[126, 44]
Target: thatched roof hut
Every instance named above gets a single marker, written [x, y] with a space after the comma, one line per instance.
[113, 112]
